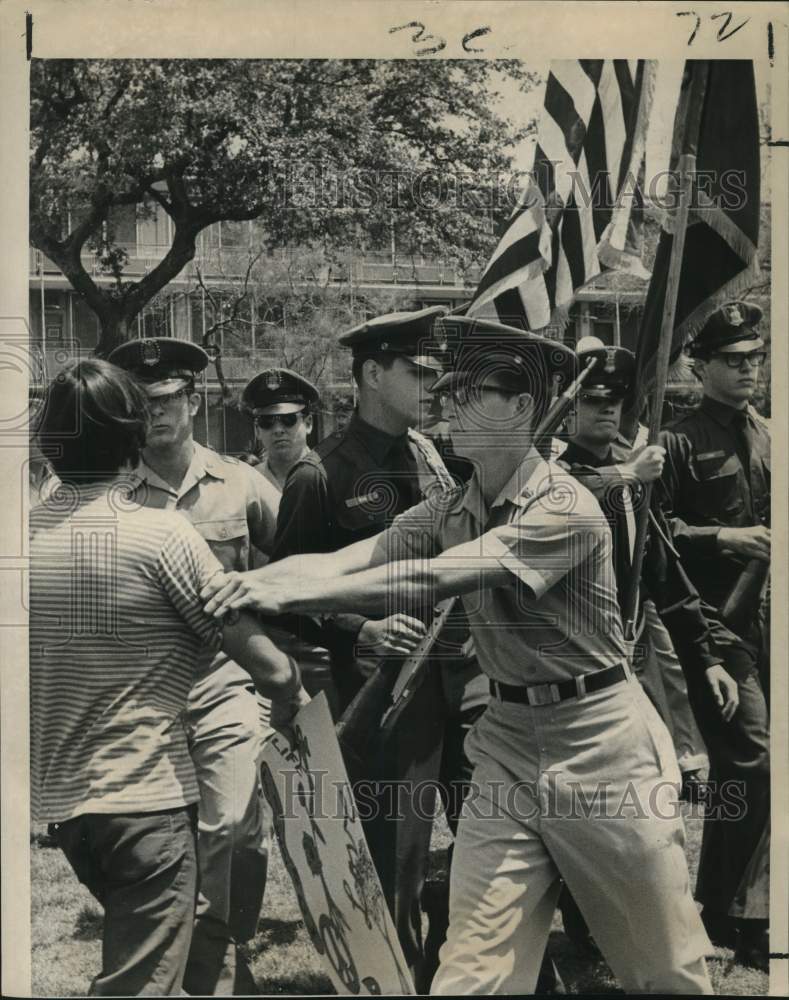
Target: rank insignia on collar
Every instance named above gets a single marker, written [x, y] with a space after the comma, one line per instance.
[149, 352]
[273, 381]
[610, 360]
[733, 314]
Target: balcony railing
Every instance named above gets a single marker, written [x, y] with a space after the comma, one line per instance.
[230, 263]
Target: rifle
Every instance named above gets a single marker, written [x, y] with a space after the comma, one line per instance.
[385, 694]
[740, 609]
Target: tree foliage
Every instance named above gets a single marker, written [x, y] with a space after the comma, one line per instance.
[334, 153]
[287, 307]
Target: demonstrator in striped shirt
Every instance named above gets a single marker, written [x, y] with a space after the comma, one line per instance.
[115, 628]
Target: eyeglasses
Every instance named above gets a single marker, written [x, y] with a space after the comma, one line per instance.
[735, 359]
[266, 421]
[170, 399]
[465, 394]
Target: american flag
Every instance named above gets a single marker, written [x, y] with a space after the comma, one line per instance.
[575, 216]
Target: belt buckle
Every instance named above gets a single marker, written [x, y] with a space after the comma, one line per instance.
[542, 694]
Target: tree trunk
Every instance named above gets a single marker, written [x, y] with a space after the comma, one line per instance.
[116, 327]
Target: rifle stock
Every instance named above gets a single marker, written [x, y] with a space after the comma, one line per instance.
[741, 606]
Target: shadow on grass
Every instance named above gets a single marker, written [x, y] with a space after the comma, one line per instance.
[581, 973]
[300, 983]
[271, 933]
[41, 838]
[89, 925]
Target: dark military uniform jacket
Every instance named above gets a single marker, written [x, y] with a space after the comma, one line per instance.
[717, 474]
[349, 488]
[663, 580]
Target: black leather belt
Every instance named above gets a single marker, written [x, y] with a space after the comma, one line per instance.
[546, 694]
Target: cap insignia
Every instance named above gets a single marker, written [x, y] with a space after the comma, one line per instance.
[733, 314]
[273, 381]
[150, 353]
[610, 360]
[385, 345]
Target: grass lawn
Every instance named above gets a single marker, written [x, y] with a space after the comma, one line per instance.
[67, 925]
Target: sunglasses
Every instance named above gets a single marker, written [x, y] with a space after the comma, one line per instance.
[170, 399]
[268, 420]
[735, 360]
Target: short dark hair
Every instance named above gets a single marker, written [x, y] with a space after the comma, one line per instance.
[384, 358]
[93, 421]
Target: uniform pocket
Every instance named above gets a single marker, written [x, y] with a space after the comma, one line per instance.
[718, 482]
[228, 539]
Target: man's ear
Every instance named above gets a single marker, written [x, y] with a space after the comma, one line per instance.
[194, 403]
[308, 422]
[524, 404]
[371, 371]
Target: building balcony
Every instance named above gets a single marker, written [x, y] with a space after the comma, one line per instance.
[220, 264]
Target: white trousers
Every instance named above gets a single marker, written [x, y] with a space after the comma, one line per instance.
[585, 789]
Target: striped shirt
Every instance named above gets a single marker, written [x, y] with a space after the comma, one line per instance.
[116, 625]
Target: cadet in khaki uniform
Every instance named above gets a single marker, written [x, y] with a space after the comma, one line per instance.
[234, 508]
[574, 772]
[350, 487]
[716, 489]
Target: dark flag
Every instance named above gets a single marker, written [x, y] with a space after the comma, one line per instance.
[719, 261]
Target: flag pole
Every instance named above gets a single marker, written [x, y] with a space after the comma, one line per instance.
[686, 170]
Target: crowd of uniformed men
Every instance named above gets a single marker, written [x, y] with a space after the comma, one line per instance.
[151, 702]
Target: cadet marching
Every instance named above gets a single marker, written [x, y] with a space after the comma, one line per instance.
[232, 592]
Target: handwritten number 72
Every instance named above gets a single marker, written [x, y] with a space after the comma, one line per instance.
[723, 32]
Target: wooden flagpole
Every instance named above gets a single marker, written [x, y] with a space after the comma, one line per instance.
[686, 169]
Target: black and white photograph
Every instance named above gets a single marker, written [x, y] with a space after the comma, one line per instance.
[394, 393]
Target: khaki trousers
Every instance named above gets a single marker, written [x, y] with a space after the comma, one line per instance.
[586, 789]
[227, 723]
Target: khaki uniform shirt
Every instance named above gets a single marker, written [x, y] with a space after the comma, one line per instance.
[265, 470]
[558, 618]
[229, 503]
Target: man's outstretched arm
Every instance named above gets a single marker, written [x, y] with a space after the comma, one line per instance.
[411, 585]
[533, 553]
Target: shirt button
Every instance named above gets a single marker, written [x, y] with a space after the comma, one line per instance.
[223, 532]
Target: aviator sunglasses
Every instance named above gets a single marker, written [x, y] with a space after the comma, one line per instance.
[268, 420]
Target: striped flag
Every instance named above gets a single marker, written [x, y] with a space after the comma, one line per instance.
[576, 215]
